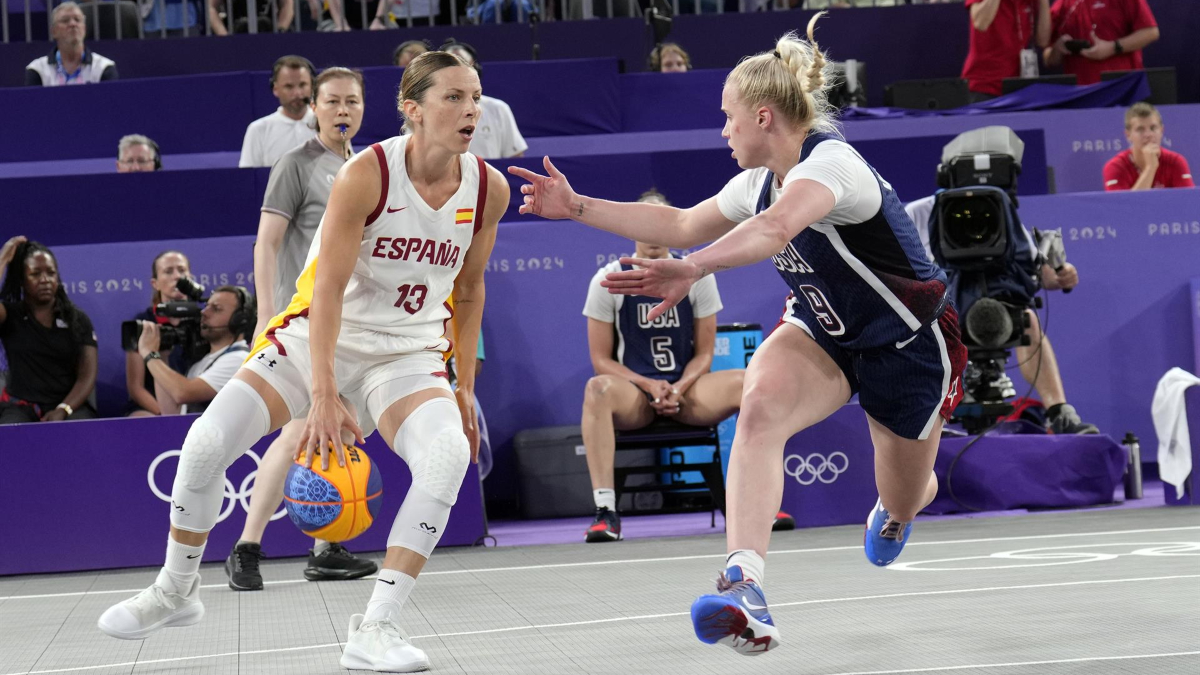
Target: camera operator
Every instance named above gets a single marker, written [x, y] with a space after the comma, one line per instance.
[166, 270]
[1036, 360]
[226, 321]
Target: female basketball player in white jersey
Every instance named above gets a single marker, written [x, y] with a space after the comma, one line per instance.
[410, 223]
[868, 313]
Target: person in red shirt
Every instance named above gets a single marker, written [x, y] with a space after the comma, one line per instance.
[1116, 30]
[1000, 29]
[1146, 164]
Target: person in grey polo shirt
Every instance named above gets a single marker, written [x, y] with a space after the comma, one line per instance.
[297, 193]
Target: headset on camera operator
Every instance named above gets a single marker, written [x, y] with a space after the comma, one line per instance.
[995, 269]
[223, 326]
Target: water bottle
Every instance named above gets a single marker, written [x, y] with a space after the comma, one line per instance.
[1133, 472]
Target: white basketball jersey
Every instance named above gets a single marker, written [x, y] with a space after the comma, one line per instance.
[398, 298]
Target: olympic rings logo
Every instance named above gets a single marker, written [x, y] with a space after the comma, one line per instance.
[816, 467]
[240, 496]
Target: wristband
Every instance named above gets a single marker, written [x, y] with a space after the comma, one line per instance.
[152, 356]
[1117, 48]
[68, 409]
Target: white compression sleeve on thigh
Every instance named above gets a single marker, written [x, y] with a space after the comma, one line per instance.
[433, 444]
[233, 422]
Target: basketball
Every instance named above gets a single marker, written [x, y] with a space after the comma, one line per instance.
[336, 504]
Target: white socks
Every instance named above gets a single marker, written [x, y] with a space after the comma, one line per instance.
[605, 499]
[751, 563]
[181, 568]
[319, 546]
[390, 594]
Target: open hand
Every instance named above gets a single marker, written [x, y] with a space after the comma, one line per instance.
[548, 196]
[1100, 49]
[323, 430]
[666, 278]
[9, 250]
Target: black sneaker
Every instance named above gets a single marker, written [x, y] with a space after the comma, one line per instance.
[606, 527]
[336, 563]
[783, 521]
[242, 567]
[1067, 422]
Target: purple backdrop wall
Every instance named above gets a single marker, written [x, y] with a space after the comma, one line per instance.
[1127, 323]
[90, 501]
[890, 39]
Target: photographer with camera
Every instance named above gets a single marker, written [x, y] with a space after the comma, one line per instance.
[1092, 37]
[166, 270]
[226, 321]
[995, 268]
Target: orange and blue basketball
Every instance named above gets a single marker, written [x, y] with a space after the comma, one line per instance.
[334, 504]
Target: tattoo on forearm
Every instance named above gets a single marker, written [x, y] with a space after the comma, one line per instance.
[579, 210]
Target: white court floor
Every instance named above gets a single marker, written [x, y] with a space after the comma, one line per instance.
[1050, 594]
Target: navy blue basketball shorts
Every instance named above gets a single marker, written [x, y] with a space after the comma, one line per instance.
[904, 386]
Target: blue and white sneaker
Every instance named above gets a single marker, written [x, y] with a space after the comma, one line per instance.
[736, 616]
[885, 538]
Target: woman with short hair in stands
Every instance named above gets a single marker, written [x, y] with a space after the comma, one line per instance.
[409, 227]
[868, 313]
[50, 344]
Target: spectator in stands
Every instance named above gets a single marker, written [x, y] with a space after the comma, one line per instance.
[166, 270]
[646, 370]
[409, 50]
[226, 322]
[1000, 32]
[394, 14]
[511, 11]
[267, 138]
[69, 62]
[1116, 32]
[50, 344]
[1037, 362]
[497, 136]
[175, 18]
[136, 153]
[669, 57]
[219, 19]
[1146, 164]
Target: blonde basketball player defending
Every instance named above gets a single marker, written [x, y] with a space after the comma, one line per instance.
[869, 313]
[410, 222]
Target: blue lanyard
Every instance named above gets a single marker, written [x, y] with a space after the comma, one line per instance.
[67, 77]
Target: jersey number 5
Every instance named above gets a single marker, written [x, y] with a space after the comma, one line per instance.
[664, 358]
[417, 301]
[828, 318]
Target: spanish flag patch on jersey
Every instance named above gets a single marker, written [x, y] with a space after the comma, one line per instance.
[464, 216]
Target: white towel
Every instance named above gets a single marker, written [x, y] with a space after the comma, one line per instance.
[1170, 424]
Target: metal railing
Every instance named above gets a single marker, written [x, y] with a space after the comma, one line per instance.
[400, 13]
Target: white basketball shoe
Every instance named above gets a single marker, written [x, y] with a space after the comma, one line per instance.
[152, 609]
[381, 646]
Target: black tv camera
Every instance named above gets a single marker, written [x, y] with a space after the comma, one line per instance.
[185, 333]
[993, 266]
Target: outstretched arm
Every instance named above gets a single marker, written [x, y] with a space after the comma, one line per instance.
[803, 203]
[552, 197]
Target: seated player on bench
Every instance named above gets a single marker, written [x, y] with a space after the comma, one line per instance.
[647, 369]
